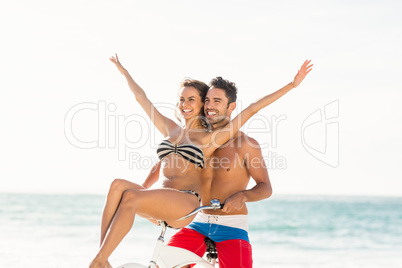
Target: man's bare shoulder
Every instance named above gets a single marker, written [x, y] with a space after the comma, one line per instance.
[245, 142]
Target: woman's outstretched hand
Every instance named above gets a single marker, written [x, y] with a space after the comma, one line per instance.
[116, 62]
[301, 74]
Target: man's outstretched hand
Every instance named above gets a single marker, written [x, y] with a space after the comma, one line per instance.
[301, 74]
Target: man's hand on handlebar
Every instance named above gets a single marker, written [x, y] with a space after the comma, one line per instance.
[234, 202]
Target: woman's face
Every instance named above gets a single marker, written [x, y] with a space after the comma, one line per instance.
[190, 103]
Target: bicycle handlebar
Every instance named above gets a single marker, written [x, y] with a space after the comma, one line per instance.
[214, 204]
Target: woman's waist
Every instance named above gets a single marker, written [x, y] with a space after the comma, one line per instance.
[174, 163]
[182, 183]
[172, 171]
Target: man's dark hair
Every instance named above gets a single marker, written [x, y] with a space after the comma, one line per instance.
[229, 88]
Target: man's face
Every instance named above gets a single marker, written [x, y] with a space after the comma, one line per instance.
[216, 106]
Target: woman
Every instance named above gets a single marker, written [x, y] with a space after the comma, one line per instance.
[186, 148]
[192, 95]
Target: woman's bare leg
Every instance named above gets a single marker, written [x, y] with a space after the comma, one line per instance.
[114, 196]
[164, 204]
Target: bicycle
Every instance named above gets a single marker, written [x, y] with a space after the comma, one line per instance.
[172, 257]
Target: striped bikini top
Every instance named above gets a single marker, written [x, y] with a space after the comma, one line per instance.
[190, 152]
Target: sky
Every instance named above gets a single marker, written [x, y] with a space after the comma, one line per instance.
[69, 123]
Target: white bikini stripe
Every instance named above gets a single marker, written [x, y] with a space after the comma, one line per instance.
[192, 157]
[189, 151]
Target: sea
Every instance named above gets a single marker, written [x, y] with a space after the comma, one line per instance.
[42, 230]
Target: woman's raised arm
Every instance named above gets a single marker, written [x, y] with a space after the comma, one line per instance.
[220, 136]
[162, 123]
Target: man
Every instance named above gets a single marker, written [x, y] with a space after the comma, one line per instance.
[226, 176]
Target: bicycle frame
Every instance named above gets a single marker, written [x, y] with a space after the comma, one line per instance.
[172, 257]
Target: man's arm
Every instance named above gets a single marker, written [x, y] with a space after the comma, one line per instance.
[222, 135]
[257, 169]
